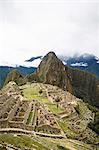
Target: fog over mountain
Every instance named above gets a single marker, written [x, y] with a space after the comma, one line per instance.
[33, 28]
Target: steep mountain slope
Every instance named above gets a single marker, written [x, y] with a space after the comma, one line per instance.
[51, 70]
[87, 62]
[82, 84]
[15, 76]
[85, 86]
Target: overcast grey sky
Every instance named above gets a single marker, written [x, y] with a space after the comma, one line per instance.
[34, 27]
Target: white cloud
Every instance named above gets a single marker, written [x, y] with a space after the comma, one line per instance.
[29, 28]
[80, 64]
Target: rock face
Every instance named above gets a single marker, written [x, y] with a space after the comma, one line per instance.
[15, 76]
[52, 71]
[85, 86]
[80, 83]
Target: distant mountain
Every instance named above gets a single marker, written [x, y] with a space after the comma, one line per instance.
[26, 67]
[15, 76]
[4, 70]
[85, 62]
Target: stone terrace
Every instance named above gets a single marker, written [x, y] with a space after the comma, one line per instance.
[61, 98]
[15, 112]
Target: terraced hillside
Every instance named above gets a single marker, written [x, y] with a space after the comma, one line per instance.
[72, 115]
[42, 116]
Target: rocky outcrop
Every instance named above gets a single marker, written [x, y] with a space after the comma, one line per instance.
[15, 76]
[52, 71]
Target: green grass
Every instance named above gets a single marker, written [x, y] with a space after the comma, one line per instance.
[84, 112]
[40, 143]
[21, 141]
[66, 128]
[33, 93]
[29, 118]
[54, 109]
[64, 144]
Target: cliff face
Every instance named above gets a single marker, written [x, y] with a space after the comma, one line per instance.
[52, 71]
[85, 86]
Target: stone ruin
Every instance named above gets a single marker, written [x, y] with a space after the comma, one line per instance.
[61, 98]
[46, 122]
[16, 112]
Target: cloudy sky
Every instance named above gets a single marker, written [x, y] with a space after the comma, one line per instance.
[34, 27]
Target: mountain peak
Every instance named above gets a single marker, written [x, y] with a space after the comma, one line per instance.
[15, 76]
[51, 54]
[52, 71]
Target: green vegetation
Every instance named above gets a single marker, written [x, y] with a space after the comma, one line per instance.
[30, 117]
[40, 143]
[56, 144]
[95, 124]
[54, 109]
[66, 128]
[32, 92]
[83, 111]
[72, 126]
[21, 142]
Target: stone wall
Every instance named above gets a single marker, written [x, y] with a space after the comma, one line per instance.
[48, 129]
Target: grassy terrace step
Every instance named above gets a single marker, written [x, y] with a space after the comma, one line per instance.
[21, 142]
[40, 143]
[32, 92]
[66, 128]
[54, 109]
[29, 118]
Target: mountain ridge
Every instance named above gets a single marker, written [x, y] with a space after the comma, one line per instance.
[52, 71]
[85, 62]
